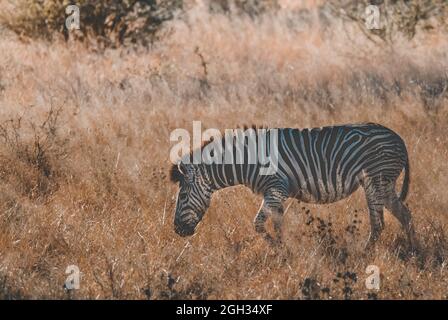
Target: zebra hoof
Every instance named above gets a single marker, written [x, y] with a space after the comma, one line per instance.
[370, 244]
[273, 242]
[270, 240]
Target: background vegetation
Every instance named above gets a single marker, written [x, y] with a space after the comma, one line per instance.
[84, 149]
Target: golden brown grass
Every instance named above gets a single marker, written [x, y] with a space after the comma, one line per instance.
[84, 152]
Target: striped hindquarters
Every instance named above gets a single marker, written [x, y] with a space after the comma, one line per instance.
[327, 164]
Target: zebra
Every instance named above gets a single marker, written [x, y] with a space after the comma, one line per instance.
[316, 165]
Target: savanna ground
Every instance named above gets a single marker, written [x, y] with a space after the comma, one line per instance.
[84, 157]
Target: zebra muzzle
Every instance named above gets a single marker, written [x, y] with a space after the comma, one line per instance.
[184, 228]
[184, 231]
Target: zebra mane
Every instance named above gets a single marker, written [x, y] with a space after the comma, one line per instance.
[253, 126]
[243, 127]
[176, 175]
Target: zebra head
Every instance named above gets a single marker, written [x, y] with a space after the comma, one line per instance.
[193, 198]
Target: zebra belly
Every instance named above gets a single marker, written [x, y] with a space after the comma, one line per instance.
[325, 194]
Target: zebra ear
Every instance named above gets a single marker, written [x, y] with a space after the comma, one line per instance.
[175, 174]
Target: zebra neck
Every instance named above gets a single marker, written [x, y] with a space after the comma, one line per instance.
[222, 176]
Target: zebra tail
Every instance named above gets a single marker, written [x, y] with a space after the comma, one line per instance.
[406, 181]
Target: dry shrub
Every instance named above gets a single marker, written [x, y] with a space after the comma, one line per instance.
[397, 17]
[32, 149]
[252, 8]
[110, 22]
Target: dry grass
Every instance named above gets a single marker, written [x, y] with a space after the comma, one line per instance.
[84, 154]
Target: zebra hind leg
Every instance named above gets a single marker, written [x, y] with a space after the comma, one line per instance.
[376, 222]
[402, 213]
[375, 195]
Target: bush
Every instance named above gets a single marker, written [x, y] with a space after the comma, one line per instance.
[112, 22]
[32, 150]
[251, 7]
[398, 17]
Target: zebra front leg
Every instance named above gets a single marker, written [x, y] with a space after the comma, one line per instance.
[277, 220]
[272, 206]
[259, 223]
[274, 199]
[260, 220]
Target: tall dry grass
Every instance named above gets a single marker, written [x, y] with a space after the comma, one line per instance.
[84, 152]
